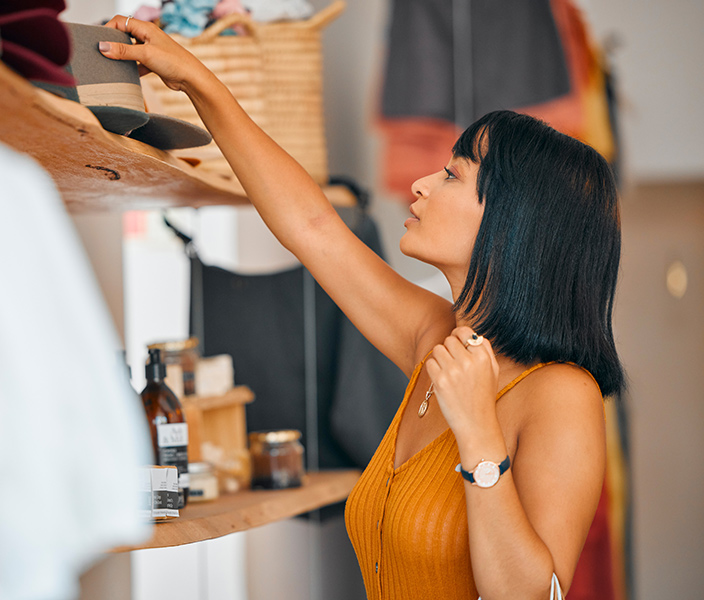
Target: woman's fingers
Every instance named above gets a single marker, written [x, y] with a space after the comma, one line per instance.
[468, 337]
[463, 349]
[121, 51]
[139, 30]
[130, 25]
[155, 51]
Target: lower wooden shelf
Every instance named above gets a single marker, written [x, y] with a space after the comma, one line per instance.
[249, 508]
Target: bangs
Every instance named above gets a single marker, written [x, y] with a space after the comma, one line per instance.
[473, 144]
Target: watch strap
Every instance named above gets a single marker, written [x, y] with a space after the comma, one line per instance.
[469, 476]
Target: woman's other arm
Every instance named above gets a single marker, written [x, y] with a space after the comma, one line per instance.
[535, 520]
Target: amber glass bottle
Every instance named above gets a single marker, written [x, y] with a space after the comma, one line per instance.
[167, 423]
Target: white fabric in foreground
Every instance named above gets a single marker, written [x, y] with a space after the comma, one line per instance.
[72, 431]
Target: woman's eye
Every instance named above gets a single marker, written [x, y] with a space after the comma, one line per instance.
[450, 174]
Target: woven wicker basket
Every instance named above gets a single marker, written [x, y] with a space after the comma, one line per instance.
[275, 72]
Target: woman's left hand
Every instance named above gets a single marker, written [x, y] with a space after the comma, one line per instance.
[465, 376]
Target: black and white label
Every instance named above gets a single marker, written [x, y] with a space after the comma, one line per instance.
[165, 498]
[172, 434]
[172, 439]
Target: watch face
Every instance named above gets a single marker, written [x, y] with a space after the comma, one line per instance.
[486, 474]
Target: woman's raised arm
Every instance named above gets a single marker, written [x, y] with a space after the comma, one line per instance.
[395, 315]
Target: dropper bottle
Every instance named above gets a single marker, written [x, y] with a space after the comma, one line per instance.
[167, 423]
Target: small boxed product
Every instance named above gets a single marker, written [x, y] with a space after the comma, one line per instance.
[160, 488]
[214, 375]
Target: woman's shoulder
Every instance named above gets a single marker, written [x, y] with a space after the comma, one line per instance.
[559, 421]
[562, 393]
[564, 377]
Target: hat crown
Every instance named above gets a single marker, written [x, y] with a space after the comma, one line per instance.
[89, 66]
[103, 82]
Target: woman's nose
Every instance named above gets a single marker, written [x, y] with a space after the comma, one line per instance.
[420, 186]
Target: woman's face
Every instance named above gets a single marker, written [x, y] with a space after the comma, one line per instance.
[445, 219]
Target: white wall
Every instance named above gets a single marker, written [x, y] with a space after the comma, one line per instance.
[661, 79]
[88, 11]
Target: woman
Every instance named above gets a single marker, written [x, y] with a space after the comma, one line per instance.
[523, 222]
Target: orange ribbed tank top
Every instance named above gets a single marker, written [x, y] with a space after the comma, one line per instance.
[408, 525]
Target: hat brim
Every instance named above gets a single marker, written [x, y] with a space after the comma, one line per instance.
[118, 119]
[169, 133]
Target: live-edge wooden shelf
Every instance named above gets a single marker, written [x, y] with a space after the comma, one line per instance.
[249, 508]
[96, 170]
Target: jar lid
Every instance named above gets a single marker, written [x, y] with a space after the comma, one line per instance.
[176, 345]
[274, 436]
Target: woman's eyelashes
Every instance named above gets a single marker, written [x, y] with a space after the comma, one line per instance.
[450, 174]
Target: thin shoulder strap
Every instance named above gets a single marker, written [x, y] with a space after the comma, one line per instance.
[522, 376]
[518, 379]
[527, 372]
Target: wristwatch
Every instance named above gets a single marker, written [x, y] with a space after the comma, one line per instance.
[486, 474]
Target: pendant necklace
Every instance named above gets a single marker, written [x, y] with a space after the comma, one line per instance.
[474, 340]
[423, 408]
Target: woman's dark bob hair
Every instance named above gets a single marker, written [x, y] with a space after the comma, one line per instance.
[543, 272]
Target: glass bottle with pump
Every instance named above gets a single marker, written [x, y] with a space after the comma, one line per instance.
[167, 423]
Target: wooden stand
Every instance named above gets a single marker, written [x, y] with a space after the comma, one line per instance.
[217, 425]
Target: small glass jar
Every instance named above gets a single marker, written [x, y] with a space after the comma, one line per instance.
[203, 482]
[277, 459]
[185, 354]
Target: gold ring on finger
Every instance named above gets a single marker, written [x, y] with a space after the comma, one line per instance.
[475, 340]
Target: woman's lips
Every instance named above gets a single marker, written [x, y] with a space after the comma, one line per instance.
[412, 219]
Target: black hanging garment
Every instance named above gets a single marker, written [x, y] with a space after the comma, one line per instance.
[456, 60]
[260, 320]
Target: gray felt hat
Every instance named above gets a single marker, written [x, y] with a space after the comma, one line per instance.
[112, 91]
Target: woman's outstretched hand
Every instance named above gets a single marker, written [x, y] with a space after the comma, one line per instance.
[465, 375]
[155, 51]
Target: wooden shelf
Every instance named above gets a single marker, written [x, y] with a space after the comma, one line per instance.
[240, 394]
[249, 508]
[96, 170]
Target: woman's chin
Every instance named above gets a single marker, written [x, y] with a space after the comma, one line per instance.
[407, 249]
[405, 246]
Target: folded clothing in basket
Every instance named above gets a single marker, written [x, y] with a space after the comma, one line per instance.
[266, 11]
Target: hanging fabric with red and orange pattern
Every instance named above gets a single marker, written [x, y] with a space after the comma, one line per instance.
[450, 62]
